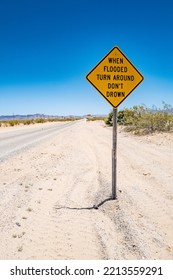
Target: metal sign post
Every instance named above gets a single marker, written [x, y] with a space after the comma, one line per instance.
[114, 156]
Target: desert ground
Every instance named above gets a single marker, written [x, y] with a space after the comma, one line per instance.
[55, 196]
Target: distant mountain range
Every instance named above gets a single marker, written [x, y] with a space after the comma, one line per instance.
[36, 116]
[29, 117]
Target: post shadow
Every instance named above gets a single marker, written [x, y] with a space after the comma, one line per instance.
[96, 207]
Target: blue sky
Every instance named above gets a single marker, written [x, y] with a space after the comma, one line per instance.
[48, 46]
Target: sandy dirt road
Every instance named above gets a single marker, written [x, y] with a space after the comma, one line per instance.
[48, 192]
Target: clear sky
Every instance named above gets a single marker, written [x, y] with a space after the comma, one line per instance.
[48, 46]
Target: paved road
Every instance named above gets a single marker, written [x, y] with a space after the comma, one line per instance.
[19, 138]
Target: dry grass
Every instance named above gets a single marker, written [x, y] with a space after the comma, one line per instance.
[8, 123]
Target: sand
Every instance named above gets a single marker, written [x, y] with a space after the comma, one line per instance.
[56, 197]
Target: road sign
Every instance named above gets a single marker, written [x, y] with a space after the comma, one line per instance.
[115, 77]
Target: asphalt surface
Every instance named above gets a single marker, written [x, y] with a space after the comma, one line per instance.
[19, 138]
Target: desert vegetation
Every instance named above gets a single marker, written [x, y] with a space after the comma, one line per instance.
[95, 118]
[143, 120]
[6, 123]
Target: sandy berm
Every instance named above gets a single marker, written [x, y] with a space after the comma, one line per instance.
[55, 197]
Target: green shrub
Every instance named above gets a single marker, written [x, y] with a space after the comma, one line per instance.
[40, 120]
[141, 119]
[28, 122]
[96, 119]
[13, 122]
[109, 119]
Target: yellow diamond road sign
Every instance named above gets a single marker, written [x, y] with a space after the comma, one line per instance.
[115, 77]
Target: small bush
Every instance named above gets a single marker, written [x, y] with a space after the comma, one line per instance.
[142, 120]
[40, 120]
[109, 120]
[96, 119]
[28, 122]
[13, 122]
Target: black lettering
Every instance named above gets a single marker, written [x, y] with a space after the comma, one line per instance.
[116, 60]
[115, 69]
[115, 94]
[114, 86]
[103, 77]
[123, 77]
[12, 272]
